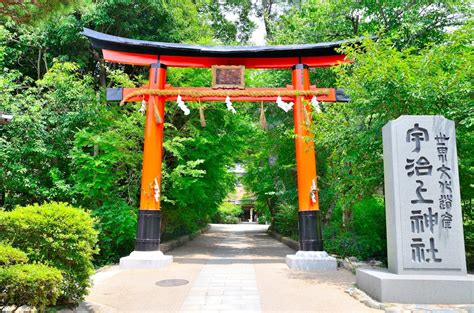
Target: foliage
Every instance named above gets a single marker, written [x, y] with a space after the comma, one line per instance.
[197, 160]
[412, 23]
[35, 11]
[364, 235]
[33, 48]
[116, 224]
[225, 30]
[106, 158]
[228, 213]
[270, 159]
[10, 255]
[34, 165]
[228, 219]
[286, 221]
[58, 235]
[34, 285]
[469, 240]
[385, 83]
[230, 209]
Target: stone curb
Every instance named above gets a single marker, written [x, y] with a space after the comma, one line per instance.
[20, 309]
[351, 264]
[293, 244]
[89, 307]
[365, 299]
[173, 244]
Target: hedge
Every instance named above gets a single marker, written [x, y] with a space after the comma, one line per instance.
[29, 284]
[10, 255]
[58, 235]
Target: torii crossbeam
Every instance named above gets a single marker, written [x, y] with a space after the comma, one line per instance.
[158, 56]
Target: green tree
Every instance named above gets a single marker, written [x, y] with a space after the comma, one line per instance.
[35, 166]
[385, 83]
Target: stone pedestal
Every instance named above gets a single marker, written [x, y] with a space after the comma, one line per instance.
[384, 286]
[145, 259]
[311, 261]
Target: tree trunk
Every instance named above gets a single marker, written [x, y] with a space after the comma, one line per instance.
[38, 64]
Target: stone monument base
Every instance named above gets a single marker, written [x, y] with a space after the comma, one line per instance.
[311, 261]
[145, 259]
[384, 286]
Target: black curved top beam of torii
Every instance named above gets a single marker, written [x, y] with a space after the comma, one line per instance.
[110, 42]
[141, 52]
[122, 50]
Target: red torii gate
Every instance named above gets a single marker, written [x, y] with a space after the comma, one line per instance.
[158, 56]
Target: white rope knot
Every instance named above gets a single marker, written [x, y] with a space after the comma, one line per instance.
[156, 190]
[182, 105]
[315, 104]
[313, 191]
[284, 105]
[229, 105]
[143, 107]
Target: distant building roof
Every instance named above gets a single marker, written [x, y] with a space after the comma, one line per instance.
[237, 169]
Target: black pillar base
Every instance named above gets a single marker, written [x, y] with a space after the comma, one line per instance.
[148, 230]
[310, 230]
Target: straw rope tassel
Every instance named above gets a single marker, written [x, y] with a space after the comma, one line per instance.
[158, 117]
[202, 117]
[263, 119]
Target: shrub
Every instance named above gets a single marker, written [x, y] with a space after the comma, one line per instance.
[227, 219]
[228, 213]
[230, 209]
[10, 255]
[117, 224]
[286, 221]
[57, 235]
[364, 237]
[29, 284]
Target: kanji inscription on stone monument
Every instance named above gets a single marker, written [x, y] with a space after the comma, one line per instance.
[424, 220]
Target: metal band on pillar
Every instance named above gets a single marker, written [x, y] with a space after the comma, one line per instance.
[148, 230]
[309, 221]
[310, 230]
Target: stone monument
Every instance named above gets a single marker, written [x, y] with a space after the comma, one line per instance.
[425, 242]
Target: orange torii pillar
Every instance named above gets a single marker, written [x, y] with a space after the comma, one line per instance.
[310, 255]
[147, 252]
[309, 221]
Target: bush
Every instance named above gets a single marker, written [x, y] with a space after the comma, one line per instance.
[29, 284]
[10, 255]
[286, 221]
[230, 209]
[364, 237]
[57, 235]
[227, 219]
[117, 225]
[228, 213]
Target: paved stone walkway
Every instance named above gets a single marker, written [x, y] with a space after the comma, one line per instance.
[232, 268]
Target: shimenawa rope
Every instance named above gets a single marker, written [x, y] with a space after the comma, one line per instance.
[224, 93]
